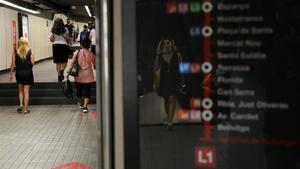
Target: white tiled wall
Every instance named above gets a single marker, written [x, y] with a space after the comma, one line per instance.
[38, 36]
[39, 30]
[7, 17]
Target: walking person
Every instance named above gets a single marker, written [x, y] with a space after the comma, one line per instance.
[61, 50]
[167, 78]
[84, 34]
[93, 37]
[85, 78]
[69, 25]
[22, 62]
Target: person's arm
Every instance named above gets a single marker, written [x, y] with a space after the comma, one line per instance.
[78, 37]
[32, 59]
[182, 81]
[156, 64]
[52, 38]
[90, 35]
[12, 66]
[94, 61]
[156, 73]
[67, 37]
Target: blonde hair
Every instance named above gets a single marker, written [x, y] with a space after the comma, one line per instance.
[23, 47]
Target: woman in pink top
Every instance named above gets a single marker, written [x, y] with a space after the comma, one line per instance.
[85, 77]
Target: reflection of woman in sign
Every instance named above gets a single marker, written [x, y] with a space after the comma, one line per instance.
[167, 76]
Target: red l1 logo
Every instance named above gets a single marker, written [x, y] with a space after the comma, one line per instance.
[205, 157]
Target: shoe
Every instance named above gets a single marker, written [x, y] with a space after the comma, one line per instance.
[62, 75]
[20, 109]
[60, 79]
[170, 126]
[85, 110]
[26, 112]
[80, 105]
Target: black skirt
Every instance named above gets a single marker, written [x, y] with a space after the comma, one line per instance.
[24, 77]
[60, 53]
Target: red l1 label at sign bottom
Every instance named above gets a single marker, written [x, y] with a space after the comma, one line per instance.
[205, 157]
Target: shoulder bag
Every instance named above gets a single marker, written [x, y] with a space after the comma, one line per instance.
[75, 69]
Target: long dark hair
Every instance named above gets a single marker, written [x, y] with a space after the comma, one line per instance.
[58, 27]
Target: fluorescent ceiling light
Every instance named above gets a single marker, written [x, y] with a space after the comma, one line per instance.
[18, 7]
[88, 10]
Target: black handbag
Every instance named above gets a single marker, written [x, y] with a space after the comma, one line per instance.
[75, 69]
[68, 89]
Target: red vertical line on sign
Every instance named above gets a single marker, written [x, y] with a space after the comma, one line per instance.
[207, 40]
[207, 49]
[207, 85]
[207, 19]
[14, 35]
[207, 127]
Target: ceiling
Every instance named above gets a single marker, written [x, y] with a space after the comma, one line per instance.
[72, 8]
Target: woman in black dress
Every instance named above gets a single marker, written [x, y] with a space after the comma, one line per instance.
[22, 62]
[167, 78]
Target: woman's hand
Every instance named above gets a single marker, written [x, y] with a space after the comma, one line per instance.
[51, 38]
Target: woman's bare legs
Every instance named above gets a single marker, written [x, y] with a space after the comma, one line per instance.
[166, 105]
[60, 68]
[26, 97]
[86, 102]
[172, 107]
[63, 67]
[21, 94]
[170, 103]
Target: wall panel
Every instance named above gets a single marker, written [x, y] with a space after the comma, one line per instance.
[2, 43]
[39, 29]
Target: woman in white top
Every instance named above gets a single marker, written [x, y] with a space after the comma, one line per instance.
[61, 50]
[92, 37]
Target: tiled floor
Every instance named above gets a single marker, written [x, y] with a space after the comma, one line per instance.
[46, 137]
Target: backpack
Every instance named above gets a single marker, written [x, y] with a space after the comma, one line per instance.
[70, 29]
[84, 35]
[68, 89]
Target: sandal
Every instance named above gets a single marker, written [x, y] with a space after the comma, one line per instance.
[19, 109]
[26, 112]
